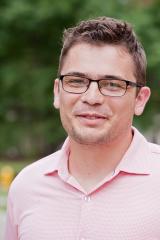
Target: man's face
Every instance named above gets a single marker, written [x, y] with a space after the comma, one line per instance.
[90, 117]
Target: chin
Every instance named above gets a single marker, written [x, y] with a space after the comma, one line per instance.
[90, 138]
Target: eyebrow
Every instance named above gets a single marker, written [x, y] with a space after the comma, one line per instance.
[79, 74]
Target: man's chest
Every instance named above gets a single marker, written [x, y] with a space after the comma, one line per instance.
[115, 211]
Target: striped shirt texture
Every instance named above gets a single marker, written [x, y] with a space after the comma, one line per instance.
[46, 203]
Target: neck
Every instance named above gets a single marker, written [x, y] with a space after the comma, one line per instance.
[90, 164]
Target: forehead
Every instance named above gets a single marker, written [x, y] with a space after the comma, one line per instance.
[99, 60]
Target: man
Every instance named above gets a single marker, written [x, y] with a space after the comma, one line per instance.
[105, 181]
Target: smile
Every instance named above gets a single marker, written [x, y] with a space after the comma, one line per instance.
[91, 119]
[91, 116]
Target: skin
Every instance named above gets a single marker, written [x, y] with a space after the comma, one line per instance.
[97, 124]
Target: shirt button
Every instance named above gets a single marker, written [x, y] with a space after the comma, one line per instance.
[87, 199]
[85, 239]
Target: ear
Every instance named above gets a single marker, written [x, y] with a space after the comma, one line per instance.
[56, 94]
[141, 100]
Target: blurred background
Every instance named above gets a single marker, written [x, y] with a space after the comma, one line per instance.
[30, 43]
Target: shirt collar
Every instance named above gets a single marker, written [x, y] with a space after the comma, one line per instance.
[58, 161]
[137, 159]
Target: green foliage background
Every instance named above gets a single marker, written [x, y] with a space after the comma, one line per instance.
[30, 42]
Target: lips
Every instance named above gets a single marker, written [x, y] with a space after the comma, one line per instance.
[92, 116]
[91, 119]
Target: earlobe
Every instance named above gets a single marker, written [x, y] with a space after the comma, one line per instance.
[56, 94]
[141, 100]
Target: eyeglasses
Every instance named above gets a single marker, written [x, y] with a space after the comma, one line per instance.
[110, 86]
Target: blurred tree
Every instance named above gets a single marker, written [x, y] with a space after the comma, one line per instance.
[30, 39]
[30, 42]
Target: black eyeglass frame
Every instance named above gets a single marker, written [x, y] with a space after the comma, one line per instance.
[128, 83]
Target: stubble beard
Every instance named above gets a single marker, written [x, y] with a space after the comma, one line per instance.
[91, 136]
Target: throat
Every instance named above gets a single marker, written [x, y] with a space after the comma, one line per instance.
[90, 164]
[90, 169]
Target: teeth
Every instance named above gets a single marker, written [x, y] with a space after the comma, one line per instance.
[92, 117]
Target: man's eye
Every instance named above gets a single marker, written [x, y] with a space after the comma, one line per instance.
[113, 85]
[76, 82]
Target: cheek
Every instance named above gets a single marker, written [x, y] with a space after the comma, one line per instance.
[66, 104]
[124, 110]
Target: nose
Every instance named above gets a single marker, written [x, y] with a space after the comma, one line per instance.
[92, 96]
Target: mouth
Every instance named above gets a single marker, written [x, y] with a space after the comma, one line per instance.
[91, 119]
[91, 116]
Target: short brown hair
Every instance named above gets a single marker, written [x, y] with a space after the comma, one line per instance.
[105, 30]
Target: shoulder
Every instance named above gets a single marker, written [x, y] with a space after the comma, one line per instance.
[33, 173]
[30, 183]
[154, 156]
[154, 148]
[42, 165]
[145, 145]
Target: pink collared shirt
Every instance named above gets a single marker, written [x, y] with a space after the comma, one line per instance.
[45, 202]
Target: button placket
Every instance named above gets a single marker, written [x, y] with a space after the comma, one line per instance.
[87, 198]
[85, 239]
[85, 217]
